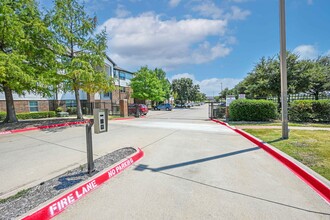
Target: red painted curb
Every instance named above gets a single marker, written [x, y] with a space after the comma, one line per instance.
[121, 119]
[59, 205]
[322, 189]
[44, 127]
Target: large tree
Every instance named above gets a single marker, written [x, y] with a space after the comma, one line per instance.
[265, 78]
[81, 51]
[165, 83]
[185, 90]
[147, 86]
[26, 60]
[318, 77]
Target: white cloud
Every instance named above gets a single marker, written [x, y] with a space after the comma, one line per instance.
[122, 12]
[238, 14]
[148, 40]
[210, 9]
[306, 52]
[310, 2]
[174, 3]
[327, 53]
[210, 86]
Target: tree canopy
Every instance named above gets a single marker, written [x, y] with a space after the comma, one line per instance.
[149, 84]
[304, 76]
[186, 91]
[81, 52]
[27, 63]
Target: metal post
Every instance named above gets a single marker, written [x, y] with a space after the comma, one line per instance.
[89, 143]
[285, 129]
[212, 110]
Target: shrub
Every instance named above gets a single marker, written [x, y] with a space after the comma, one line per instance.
[71, 110]
[310, 111]
[59, 109]
[35, 115]
[252, 110]
[30, 115]
[2, 116]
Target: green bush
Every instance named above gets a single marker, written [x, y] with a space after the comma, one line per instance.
[71, 110]
[35, 115]
[30, 115]
[2, 116]
[59, 109]
[252, 110]
[310, 111]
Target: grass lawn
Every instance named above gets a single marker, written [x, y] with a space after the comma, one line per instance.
[276, 123]
[311, 148]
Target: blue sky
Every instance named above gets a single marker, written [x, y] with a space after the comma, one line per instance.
[213, 42]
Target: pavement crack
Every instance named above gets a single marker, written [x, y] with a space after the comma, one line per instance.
[159, 139]
[59, 145]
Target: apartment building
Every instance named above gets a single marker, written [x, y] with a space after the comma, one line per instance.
[66, 100]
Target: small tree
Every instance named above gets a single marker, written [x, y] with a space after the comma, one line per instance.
[79, 50]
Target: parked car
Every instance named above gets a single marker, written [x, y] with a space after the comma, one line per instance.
[167, 107]
[132, 108]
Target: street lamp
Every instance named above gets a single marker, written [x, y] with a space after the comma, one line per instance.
[284, 86]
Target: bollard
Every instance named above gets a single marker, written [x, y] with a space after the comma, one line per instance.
[89, 143]
[137, 112]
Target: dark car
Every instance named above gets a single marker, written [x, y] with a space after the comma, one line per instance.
[167, 107]
[132, 109]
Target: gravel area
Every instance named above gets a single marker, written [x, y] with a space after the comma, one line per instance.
[31, 198]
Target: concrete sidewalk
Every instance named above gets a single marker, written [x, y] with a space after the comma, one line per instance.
[201, 171]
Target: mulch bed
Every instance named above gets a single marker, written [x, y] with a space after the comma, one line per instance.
[29, 199]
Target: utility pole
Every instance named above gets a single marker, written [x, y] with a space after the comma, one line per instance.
[284, 86]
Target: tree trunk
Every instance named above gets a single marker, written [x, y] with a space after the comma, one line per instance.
[10, 108]
[79, 112]
[316, 95]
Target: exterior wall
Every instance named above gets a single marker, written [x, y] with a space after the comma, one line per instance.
[88, 101]
[23, 105]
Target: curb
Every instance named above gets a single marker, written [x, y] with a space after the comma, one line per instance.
[58, 125]
[318, 186]
[44, 127]
[51, 209]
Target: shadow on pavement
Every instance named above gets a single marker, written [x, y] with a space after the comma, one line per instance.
[143, 167]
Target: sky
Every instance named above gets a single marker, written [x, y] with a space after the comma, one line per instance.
[214, 42]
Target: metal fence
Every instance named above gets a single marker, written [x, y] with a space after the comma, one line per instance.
[217, 110]
[293, 97]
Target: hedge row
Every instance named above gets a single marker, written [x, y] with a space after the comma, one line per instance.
[252, 110]
[310, 111]
[30, 115]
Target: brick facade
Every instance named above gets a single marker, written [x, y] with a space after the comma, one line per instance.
[23, 105]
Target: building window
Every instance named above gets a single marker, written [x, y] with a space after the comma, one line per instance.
[122, 75]
[107, 95]
[70, 103]
[33, 105]
[129, 76]
[107, 69]
[110, 73]
[122, 89]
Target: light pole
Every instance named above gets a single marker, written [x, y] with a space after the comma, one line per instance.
[284, 86]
